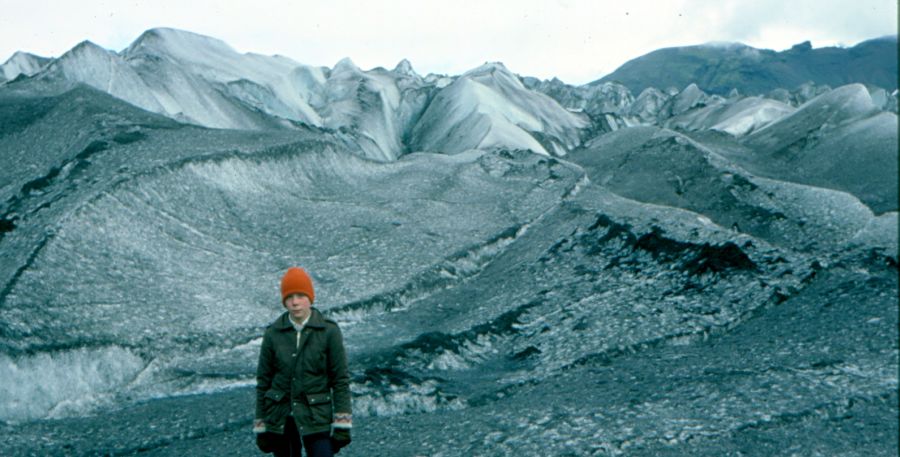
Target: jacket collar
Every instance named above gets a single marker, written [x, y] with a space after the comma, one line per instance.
[316, 320]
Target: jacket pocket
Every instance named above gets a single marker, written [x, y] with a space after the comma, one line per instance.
[275, 395]
[320, 407]
[275, 407]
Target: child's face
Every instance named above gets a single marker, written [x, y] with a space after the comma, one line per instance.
[298, 305]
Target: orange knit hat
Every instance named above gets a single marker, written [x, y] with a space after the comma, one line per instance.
[297, 281]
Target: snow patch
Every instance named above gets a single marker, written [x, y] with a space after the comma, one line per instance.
[63, 383]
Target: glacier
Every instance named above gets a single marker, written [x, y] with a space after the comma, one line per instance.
[519, 267]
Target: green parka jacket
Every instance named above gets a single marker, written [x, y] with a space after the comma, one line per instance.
[305, 376]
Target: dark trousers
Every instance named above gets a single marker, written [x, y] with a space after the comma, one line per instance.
[316, 444]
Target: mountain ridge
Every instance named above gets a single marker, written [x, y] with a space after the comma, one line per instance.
[201, 80]
[720, 68]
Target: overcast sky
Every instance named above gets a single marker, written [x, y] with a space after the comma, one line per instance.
[577, 41]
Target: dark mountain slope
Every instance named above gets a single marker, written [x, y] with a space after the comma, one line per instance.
[720, 68]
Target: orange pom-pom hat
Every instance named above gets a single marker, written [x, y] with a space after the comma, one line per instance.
[295, 281]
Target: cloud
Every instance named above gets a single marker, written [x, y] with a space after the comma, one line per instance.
[777, 25]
